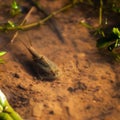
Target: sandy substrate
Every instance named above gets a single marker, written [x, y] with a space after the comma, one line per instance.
[89, 87]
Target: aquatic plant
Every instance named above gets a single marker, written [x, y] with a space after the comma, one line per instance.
[1, 54]
[6, 111]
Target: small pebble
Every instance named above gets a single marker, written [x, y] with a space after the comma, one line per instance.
[51, 112]
[21, 87]
[16, 75]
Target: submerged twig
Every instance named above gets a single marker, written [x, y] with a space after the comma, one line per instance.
[40, 22]
[22, 23]
[100, 12]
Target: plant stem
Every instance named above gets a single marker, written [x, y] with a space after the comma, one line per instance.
[22, 23]
[46, 19]
[100, 12]
[40, 22]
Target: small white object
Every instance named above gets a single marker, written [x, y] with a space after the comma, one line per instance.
[2, 98]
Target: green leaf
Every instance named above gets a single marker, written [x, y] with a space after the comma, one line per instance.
[116, 32]
[14, 5]
[2, 53]
[10, 24]
[15, 8]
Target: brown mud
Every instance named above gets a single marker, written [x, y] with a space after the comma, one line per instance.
[89, 88]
